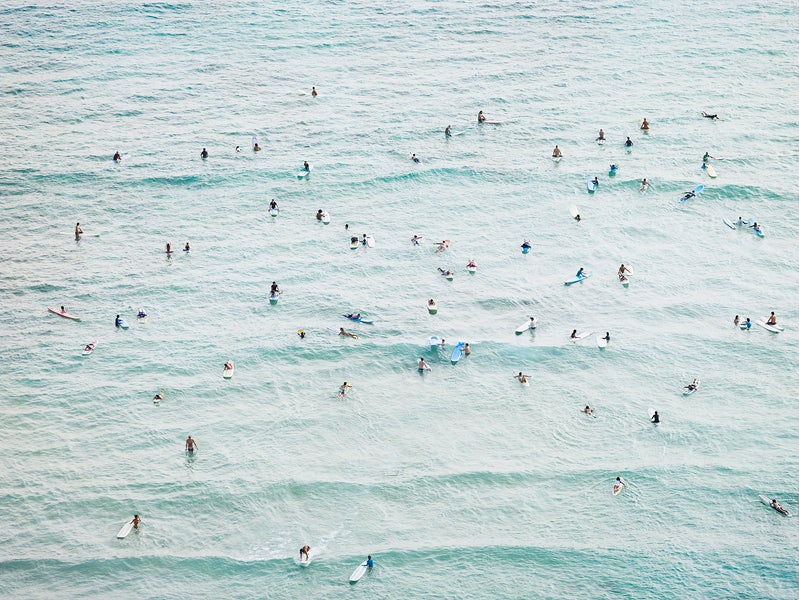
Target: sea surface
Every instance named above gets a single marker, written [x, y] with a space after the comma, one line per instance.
[460, 482]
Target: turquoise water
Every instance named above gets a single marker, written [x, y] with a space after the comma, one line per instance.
[461, 482]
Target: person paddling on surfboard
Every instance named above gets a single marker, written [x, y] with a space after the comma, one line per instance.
[481, 117]
[272, 204]
[342, 331]
[521, 377]
[228, 366]
[692, 386]
[556, 153]
[191, 445]
[415, 240]
[580, 273]
[707, 116]
[778, 507]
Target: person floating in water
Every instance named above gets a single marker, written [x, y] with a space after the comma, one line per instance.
[204, 153]
[556, 153]
[655, 417]
[191, 445]
[256, 147]
[707, 116]
[314, 93]
[481, 117]
[448, 131]
[168, 248]
[629, 142]
[466, 349]
[78, 230]
[342, 391]
[117, 156]
[415, 159]
[607, 337]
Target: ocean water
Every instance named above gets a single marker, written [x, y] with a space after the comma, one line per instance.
[460, 482]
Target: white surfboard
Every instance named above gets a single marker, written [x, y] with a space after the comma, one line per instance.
[433, 341]
[273, 212]
[325, 218]
[527, 325]
[711, 172]
[305, 173]
[574, 211]
[580, 336]
[359, 572]
[432, 308]
[228, 373]
[651, 413]
[370, 241]
[601, 342]
[126, 529]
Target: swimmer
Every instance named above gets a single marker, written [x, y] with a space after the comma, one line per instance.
[136, 520]
[645, 124]
[78, 230]
[238, 149]
[443, 343]
[342, 331]
[772, 320]
[448, 131]
[306, 166]
[423, 366]
[481, 117]
[117, 156]
[778, 507]
[204, 153]
[629, 142]
[191, 445]
[314, 93]
[556, 152]
[342, 391]
[168, 248]
[607, 336]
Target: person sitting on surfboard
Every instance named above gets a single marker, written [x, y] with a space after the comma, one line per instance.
[78, 230]
[601, 135]
[574, 334]
[117, 156]
[481, 117]
[306, 166]
[580, 273]
[141, 314]
[556, 152]
[191, 445]
[117, 321]
[629, 142]
[186, 248]
[521, 377]
[272, 204]
[772, 320]
[431, 303]
[341, 331]
[319, 214]
[88, 348]
[618, 484]
[136, 520]
[526, 244]
[274, 289]
[304, 550]
[655, 417]
[448, 131]
[644, 124]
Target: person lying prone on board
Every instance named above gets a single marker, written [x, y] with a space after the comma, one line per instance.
[341, 331]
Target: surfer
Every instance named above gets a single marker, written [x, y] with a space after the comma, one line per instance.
[471, 265]
[748, 323]
[466, 349]
[341, 331]
[707, 116]
[756, 227]
[306, 167]
[526, 244]
[78, 230]
[601, 135]
[136, 520]
[692, 386]
[117, 156]
[415, 159]
[448, 131]
[556, 153]
[228, 366]
[256, 147]
[521, 377]
[588, 410]
[304, 550]
[443, 343]
[423, 366]
[607, 336]
[481, 117]
[706, 157]
[415, 240]
[629, 142]
[319, 214]
[89, 347]
[655, 417]
[446, 273]
[273, 204]
[354, 316]
[117, 321]
[168, 248]
[689, 195]
[772, 320]
[595, 181]
[614, 168]
[158, 397]
[191, 445]
[369, 562]
[301, 333]
[618, 484]
[580, 273]
[204, 153]
[187, 248]
[431, 303]
[623, 270]
[238, 149]
[314, 93]
[645, 124]
[141, 314]
[778, 507]
[274, 289]
[644, 184]
[577, 217]
[736, 320]
[443, 245]
[574, 334]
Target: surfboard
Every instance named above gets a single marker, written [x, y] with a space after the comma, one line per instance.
[88, 351]
[370, 241]
[123, 324]
[359, 572]
[527, 325]
[457, 352]
[696, 190]
[767, 502]
[600, 141]
[305, 173]
[601, 342]
[575, 279]
[273, 212]
[358, 319]
[434, 341]
[556, 159]
[617, 489]
[711, 172]
[126, 529]
[574, 211]
[768, 327]
[325, 218]
[580, 336]
[354, 244]
[590, 185]
[273, 298]
[472, 269]
[66, 315]
[228, 373]
[728, 223]
[492, 122]
[432, 308]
